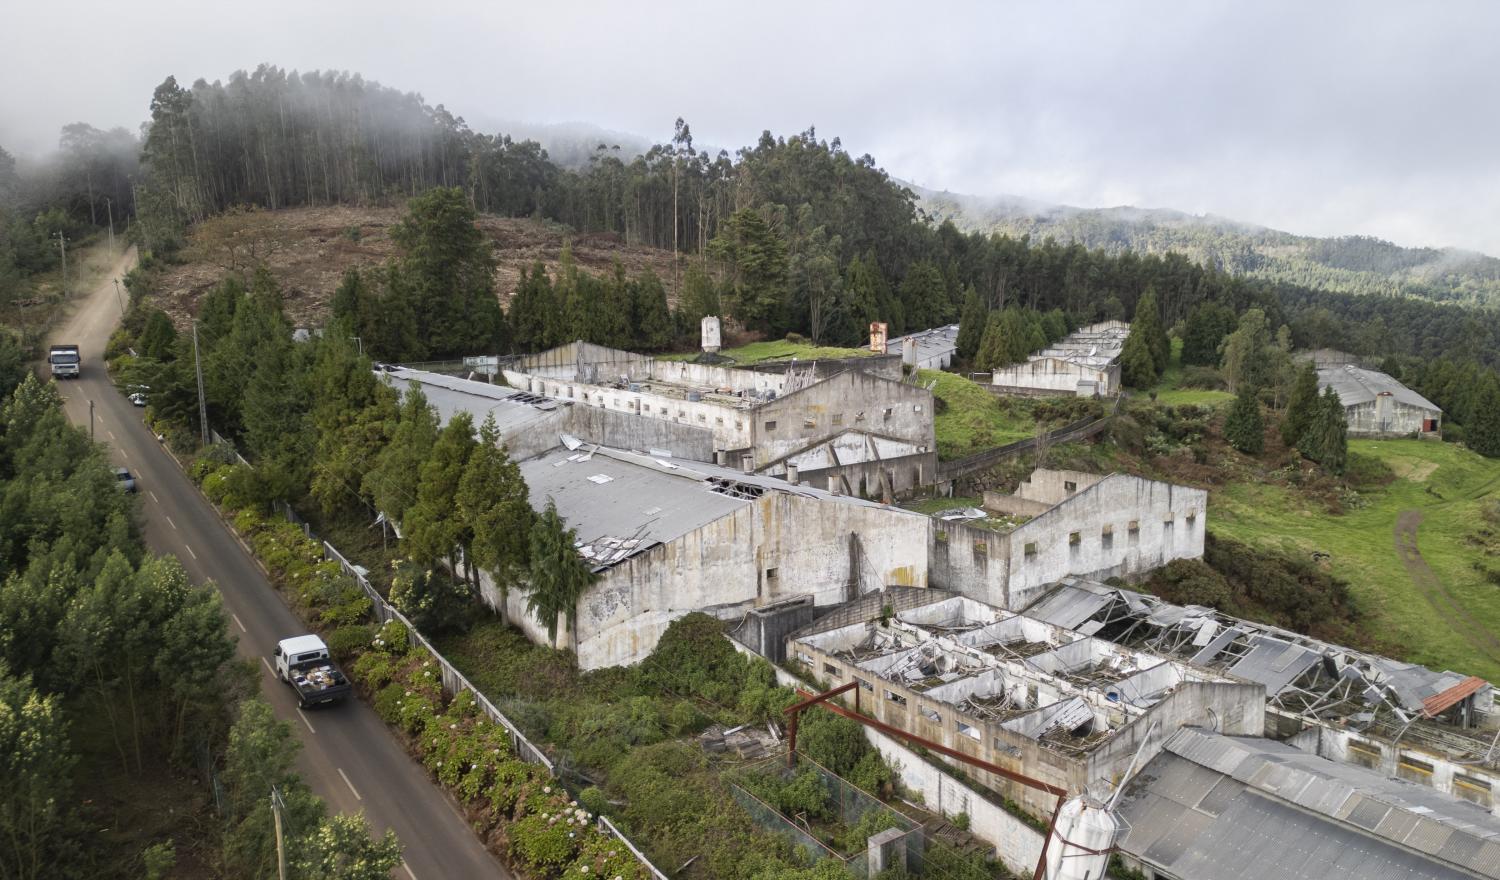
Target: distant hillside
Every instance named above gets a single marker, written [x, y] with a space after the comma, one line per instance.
[1354, 264]
[569, 144]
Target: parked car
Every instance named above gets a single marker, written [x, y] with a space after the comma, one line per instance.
[127, 482]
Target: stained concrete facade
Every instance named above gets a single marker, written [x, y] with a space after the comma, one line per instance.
[1031, 697]
[1084, 363]
[757, 421]
[1113, 526]
[671, 538]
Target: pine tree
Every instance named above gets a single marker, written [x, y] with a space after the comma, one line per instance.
[533, 311]
[1243, 427]
[392, 483]
[1206, 328]
[447, 268]
[558, 575]
[1302, 403]
[492, 501]
[433, 529]
[1482, 433]
[971, 325]
[757, 259]
[650, 316]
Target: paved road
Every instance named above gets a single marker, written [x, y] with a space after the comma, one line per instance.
[349, 757]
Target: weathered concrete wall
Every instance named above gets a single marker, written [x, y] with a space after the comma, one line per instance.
[729, 425]
[969, 560]
[1475, 783]
[1387, 417]
[586, 362]
[1049, 486]
[626, 430]
[1122, 526]
[1056, 376]
[885, 365]
[782, 545]
[1237, 709]
[850, 400]
[764, 630]
[999, 502]
[906, 474]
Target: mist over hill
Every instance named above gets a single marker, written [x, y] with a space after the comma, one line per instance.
[1353, 264]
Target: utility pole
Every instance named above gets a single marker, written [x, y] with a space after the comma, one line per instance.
[109, 206]
[91, 421]
[119, 299]
[277, 806]
[62, 247]
[202, 406]
[361, 343]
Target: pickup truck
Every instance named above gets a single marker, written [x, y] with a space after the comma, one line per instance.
[65, 361]
[303, 663]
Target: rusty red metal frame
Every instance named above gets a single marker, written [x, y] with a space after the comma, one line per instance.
[810, 700]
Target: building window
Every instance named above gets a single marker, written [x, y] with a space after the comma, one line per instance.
[570, 392]
[737, 424]
[1413, 770]
[981, 551]
[770, 426]
[1192, 517]
[968, 731]
[1070, 486]
[702, 417]
[895, 698]
[1075, 538]
[1107, 537]
[838, 419]
[859, 417]
[1030, 549]
[930, 715]
[940, 537]
[1134, 532]
[1364, 754]
[830, 669]
[917, 408]
[865, 684]
[809, 423]
[718, 420]
[662, 410]
[771, 575]
[1472, 788]
[585, 397]
[888, 411]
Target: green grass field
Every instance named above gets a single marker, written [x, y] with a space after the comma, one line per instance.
[971, 418]
[1447, 484]
[1170, 393]
[778, 350]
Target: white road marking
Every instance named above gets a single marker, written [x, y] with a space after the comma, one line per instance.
[268, 667]
[153, 496]
[350, 784]
[110, 433]
[190, 551]
[242, 628]
[407, 868]
[305, 721]
[124, 452]
[170, 523]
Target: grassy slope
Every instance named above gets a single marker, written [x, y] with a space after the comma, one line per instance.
[779, 350]
[972, 418]
[1168, 392]
[1443, 481]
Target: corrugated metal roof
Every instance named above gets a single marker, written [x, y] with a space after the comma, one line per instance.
[514, 411]
[937, 342]
[1355, 385]
[1298, 816]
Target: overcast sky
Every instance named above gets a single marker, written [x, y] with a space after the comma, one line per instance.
[1315, 117]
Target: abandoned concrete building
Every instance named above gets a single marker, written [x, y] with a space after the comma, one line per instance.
[1084, 363]
[858, 431]
[1062, 523]
[1375, 405]
[1054, 704]
[1436, 729]
[932, 349]
[1216, 807]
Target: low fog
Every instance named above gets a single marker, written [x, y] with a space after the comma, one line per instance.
[1337, 118]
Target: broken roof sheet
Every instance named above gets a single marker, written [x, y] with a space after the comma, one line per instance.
[1229, 807]
[931, 343]
[647, 505]
[1355, 385]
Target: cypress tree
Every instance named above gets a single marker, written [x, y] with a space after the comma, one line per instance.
[558, 575]
[1148, 324]
[1244, 428]
[971, 325]
[1137, 366]
[1327, 439]
[1301, 405]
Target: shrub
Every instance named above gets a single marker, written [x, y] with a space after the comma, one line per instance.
[353, 606]
[348, 642]
[432, 601]
[392, 638]
[388, 701]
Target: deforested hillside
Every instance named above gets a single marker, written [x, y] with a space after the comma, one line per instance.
[308, 250]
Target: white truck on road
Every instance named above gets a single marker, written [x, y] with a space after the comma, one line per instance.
[66, 364]
[303, 662]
